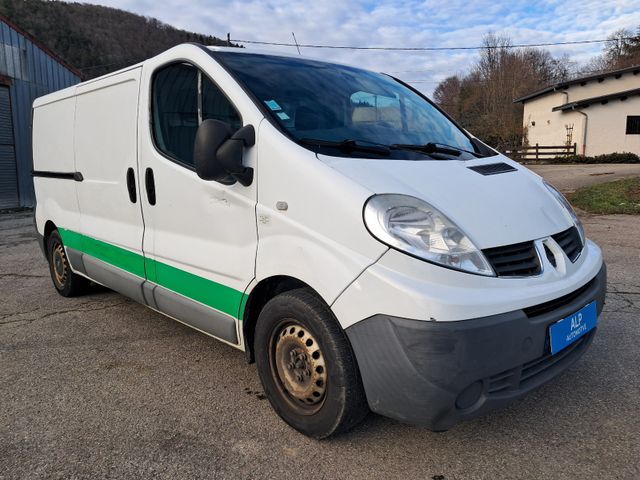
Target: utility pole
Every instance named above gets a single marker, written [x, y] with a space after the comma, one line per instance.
[296, 42]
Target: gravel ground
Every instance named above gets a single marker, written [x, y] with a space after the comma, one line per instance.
[101, 387]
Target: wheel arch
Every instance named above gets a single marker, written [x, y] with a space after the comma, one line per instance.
[49, 227]
[264, 291]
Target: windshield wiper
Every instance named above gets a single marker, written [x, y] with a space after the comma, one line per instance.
[433, 147]
[348, 145]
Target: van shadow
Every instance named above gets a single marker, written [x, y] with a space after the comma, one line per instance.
[542, 427]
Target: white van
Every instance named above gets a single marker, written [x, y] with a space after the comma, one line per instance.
[331, 222]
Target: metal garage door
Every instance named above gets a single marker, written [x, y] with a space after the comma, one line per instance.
[8, 173]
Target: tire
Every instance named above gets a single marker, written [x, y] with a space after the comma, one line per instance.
[67, 283]
[307, 367]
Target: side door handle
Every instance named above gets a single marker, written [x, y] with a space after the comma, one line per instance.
[131, 185]
[150, 185]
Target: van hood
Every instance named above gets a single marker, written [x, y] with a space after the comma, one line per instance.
[493, 210]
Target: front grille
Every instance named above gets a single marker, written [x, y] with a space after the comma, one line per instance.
[517, 260]
[535, 367]
[570, 242]
[526, 374]
[493, 168]
[546, 307]
[550, 256]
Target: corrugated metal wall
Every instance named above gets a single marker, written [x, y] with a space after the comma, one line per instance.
[8, 174]
[32, 73]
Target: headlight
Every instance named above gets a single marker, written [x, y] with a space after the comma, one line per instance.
[567, 206]
[415, 227]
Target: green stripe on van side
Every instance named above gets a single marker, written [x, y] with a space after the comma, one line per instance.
[116, 256]
[212, 294]
[207, 292]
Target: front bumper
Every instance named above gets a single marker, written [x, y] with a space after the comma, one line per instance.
[439, 373]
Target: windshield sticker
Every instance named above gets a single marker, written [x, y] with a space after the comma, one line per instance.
[273, 105]
[283, 116]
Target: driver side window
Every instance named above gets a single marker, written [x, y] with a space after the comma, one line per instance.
[181, 98]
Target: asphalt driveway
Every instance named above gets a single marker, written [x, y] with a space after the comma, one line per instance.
[572, 177]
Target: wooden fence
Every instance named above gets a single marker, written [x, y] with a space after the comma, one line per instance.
[539, 152]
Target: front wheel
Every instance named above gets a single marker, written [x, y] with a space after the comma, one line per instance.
[307, 367]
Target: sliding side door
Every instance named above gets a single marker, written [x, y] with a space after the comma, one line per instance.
[111, 227]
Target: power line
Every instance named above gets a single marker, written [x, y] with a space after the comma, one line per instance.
[575, 72]
[430, 49]
[423, 81]
[557, 79]
[423, 71]
[345, 47]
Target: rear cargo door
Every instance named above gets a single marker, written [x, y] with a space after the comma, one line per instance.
[111, 225]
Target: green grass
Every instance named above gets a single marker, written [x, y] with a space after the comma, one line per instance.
[621, 196]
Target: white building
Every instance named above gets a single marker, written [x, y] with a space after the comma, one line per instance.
[599, 113]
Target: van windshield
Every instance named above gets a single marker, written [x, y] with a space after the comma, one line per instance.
[347, 111]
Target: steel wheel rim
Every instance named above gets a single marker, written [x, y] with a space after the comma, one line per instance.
[59, 265]
[298, 366]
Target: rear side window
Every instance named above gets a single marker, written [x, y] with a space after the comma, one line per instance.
[182, 97]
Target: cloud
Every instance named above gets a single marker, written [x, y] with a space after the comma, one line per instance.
[399, 23]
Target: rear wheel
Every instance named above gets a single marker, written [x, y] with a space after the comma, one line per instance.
[67, 283]
[307, 367]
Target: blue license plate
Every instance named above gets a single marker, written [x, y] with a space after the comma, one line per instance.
[566, 331]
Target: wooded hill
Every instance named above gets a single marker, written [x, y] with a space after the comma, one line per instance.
[97, 39]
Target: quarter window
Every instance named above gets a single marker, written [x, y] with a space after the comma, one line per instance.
[633, 125]
[182, 97]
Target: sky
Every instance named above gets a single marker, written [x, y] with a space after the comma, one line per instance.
[394, 23]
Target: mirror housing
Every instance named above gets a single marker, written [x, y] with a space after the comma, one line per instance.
[218, 152]
[482, 148]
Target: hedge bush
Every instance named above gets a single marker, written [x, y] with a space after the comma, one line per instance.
[625, 157]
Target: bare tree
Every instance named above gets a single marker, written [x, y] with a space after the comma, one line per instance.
[482, 101]
[447, 95]
[621, 50]
[617, 46]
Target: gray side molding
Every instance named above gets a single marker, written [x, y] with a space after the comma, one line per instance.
[147, 292]
[75, 259]
[195, 314]
[183, 309]
[114, 278]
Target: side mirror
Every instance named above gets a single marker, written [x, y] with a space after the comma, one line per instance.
[217, 152]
